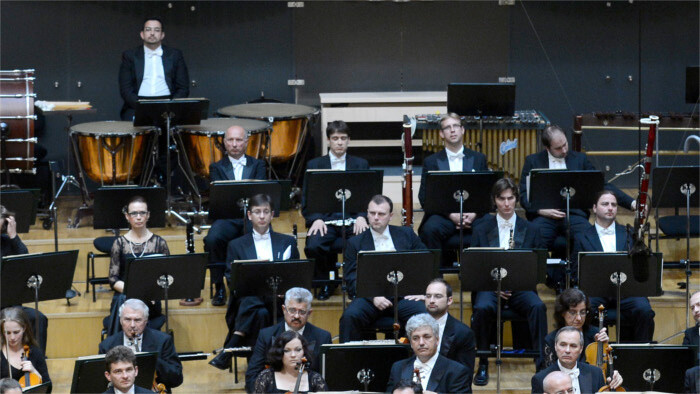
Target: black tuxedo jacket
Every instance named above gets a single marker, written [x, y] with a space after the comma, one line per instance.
[243, 248]
[403, 238]
[472, 161]
[590, 242]
[137, 389]
[131, 74]
[590, 378]
[691, 336]
[458, 344]
[485, 234]
[314, 335]
[574, 161]
[447, 376]
[324, 163]
[692, 380]
[168, 364]
[222, 170]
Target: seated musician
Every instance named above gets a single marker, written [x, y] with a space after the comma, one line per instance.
[10, 386]
[506, 230]
[456, 338]
[235, 166]
[138, 242]
[16, 334]
[11, 244]
[121, 371]
[586, 378]
[285, 356]
[558, 382]
[435, 230]
[691, 336]
[133, 316]
[321, 237]
[246, 316]
[380, 237]
[296, 309]
[691, 381]
[551, 222]
[608, 236]
[438, 374]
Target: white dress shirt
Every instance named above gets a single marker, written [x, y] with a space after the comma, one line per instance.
[153, 83]
[134, 344]
[455, 159]
[287, 328]
[263, 245]
[607, 237]
[573, 374]
[425, 369]
[382, 242]
[441, 324]
[338, 163]
[556, 163]
[504, 229]
[132, 390]
[238, 167]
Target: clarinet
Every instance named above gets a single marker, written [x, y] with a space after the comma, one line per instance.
[407, 182]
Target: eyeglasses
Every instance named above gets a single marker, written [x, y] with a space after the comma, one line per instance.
[582, 313]
[138, 213]
[295, 311]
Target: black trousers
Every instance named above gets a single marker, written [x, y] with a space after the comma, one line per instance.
[323, 249]
[362, 312]
[222, 231]
[636, 312]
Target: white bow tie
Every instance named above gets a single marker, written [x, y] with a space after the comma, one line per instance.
[158, 52]
[422, 367]
[607, 231]
[136, 342]
[260, 237]
[239, 162]
[505, 225]
[574, 373]
[337, 161]
[558, 160]
[454, 156]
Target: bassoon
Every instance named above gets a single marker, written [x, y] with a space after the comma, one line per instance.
[639, 250]
[407, 182]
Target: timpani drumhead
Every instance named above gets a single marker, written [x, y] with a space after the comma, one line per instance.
[109, 127]
[278, 111]
[220, 125]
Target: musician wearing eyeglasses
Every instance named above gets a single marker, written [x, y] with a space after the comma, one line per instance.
[608, 236]
[235, 166]
[324, 240]
[151, 70]
[246, 316]
[435, 230]
[133, 318]
[692, 375]
[508, 231]
[296, 310]
[558, 382]
[585, 378]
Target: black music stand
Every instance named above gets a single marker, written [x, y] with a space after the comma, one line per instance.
[158, 278]
[89, 376]
[491, 269]
[448, 192]
[166, 114]
[395, 274]
[22, 277]
[270, 278]
[363, 367]
[609, 275]
[673, 187]
[329, 191]
[109, 201]
[229, 199]
[652, 367]
[23, 203]
[45, 387]
[564, 190]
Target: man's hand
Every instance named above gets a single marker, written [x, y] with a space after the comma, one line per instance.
[616, 381]
[633, 206]
[552, 213]
[465, 221]
[504, 294]
[11, 227]
[602, 335]
[419, 297]
[318, 226]
[360, 225]
[381, 303]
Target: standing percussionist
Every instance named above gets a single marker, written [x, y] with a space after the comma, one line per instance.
[235, 166]
[322, 239]
[151, 71]
[436, 229]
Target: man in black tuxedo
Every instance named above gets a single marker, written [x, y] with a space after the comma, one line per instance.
[246, 316]
[121, 370]
[151, 70]
[692, 333]
[297, 309]
[438, 374]
[435, 230]
[235, 166]
[133, 317]
[608, 236]
[456, 338]
[584, 377]
[380, 237]
[551, 222]
[509, 231]
[323, 241]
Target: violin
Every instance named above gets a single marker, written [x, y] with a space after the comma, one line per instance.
[29, 378]
[609, 357]
[300, 367]
[418, 379]
[594, 351]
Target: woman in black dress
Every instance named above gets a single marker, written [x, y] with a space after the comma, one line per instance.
[16, 333]
[284, 358]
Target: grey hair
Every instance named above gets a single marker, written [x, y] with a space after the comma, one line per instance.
[298, 294]
[422, 320]
[135, 304]
[567, 329]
